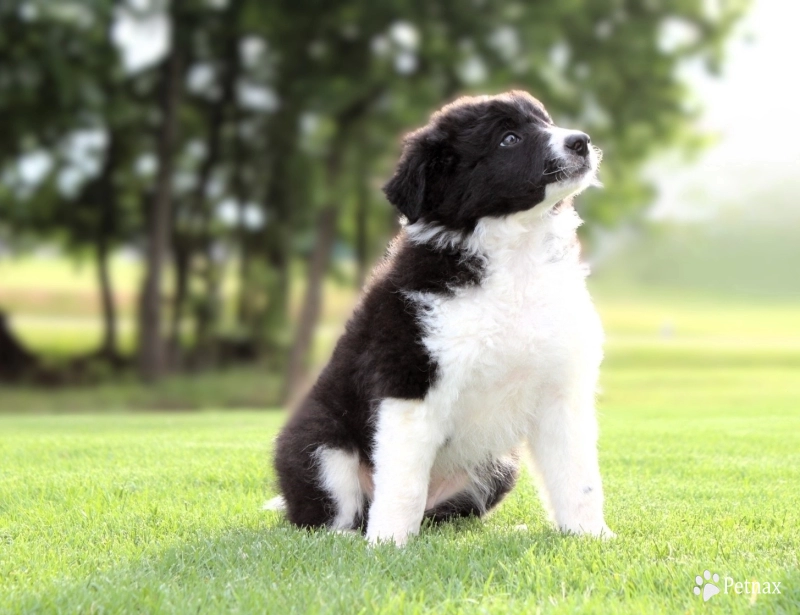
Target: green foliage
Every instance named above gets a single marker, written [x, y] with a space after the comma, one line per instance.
[288, 107]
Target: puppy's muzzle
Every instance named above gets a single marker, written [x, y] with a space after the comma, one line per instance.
[578, 143]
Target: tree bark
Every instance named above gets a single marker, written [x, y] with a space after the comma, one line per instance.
[297, 367]
[107, 203]
[108, 346]
[275, 243]
[151, 344]
[244, 310]
[362, 215]
[181, 253]
[218, 112]
[312, 302]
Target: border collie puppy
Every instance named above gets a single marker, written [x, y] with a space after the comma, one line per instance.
[475, 339]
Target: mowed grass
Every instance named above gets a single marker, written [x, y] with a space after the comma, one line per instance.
[700, 452]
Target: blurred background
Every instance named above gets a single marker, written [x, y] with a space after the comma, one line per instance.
[190, 190]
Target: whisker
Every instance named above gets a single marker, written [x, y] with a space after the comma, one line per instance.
[563, 169]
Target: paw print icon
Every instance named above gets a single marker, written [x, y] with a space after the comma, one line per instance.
[705, 586]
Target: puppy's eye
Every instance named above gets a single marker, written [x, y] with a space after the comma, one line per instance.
[510, 139]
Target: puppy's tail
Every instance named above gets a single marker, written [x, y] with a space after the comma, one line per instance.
[277, 504]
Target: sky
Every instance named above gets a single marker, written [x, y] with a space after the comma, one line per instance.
[752, 109]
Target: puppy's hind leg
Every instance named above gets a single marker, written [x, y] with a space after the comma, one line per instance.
[339, 476]
[319, 482]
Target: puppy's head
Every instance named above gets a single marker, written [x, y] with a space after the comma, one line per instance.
[489, 156]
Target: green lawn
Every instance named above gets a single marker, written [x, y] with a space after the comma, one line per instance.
[700, 450]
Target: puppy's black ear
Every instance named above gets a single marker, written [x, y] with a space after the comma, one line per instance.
[410, 187]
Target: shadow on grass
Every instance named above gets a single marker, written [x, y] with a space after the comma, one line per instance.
[276, 568]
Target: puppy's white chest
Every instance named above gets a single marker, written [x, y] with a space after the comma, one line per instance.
[525, 321]
[509, 346]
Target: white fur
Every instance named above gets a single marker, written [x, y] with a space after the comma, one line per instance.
[518, 358]
[408, 437]
[278, 503]
[339, 475]
[558, 138]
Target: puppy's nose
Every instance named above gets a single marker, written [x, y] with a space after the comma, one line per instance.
[578, 142]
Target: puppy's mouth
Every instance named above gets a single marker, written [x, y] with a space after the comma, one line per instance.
[572, 166]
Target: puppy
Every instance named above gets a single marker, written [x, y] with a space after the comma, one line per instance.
[475, 338]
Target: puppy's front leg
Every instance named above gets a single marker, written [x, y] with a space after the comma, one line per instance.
[564, 448]
[406, 443]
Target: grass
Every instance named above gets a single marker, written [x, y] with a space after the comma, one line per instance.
[700, 451]
[242, 387]
[107, 511]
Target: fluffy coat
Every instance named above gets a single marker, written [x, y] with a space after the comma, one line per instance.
[475, 340]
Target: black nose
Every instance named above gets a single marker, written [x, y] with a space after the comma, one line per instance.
[578, 142]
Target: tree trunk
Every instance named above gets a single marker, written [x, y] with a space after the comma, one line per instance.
[181, 253]
[239, 188]
[312, 303]
[106, 201]
[151, 344]
[362, 211]
[108, 346]
[297, 368]
[275, 243]
[244, 310]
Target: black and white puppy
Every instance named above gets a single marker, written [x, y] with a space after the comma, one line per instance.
[475, 338]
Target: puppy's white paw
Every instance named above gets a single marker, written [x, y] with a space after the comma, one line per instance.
[605, 533]
[377, 537]
[596, 530]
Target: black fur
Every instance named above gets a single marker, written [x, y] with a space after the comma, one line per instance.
[499, 477]
[380, 355]
[452, 172]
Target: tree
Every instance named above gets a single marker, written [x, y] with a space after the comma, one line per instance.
[66, 89]
[575, 56]
[292, 110]
[152, 353]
